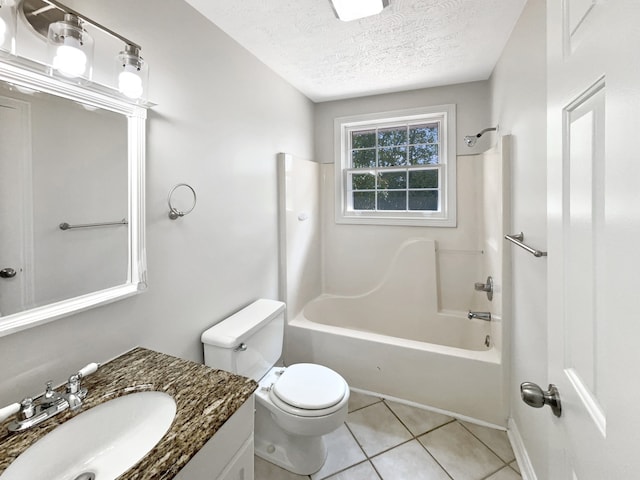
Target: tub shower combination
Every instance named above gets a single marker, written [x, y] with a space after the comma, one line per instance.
[392, 341]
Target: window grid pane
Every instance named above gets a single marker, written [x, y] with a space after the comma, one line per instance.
[408, 144]
[410, 189]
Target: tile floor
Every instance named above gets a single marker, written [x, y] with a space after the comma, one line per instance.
[384, 440]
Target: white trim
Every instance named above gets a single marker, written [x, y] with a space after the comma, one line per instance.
[445, 218]
[441, 411]
[520, 451]
[47, 313]
[29, 77]
[589, 401]
[283, 159]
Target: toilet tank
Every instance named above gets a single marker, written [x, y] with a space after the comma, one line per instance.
[248, 342]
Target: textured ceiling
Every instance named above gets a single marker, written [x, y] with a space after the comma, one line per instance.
[411, 44]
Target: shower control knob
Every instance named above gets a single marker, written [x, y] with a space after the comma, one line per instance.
[535, 397]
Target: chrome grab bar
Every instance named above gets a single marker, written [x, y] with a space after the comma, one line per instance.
[518, 238]
[66, 226]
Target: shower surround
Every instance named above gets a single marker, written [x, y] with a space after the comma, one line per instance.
[387, 307]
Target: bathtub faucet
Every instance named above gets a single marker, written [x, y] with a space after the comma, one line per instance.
[486, 316]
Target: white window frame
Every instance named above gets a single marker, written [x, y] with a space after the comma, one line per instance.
[446, 215]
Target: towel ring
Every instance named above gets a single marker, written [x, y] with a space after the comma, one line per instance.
[174, 212]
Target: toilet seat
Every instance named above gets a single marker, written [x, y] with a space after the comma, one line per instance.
[309, 390]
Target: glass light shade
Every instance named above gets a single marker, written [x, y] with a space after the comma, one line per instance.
[132, 73]
[348, 10]
[70, 48]
[8, 17]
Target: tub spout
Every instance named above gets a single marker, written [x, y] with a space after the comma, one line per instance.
[486, 316]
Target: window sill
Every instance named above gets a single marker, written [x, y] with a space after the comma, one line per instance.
[409, 221]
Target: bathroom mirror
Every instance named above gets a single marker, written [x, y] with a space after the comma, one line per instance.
[72, 197]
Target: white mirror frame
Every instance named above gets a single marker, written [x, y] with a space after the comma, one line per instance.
[26, 74]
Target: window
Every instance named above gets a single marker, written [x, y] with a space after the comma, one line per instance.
[397, 168]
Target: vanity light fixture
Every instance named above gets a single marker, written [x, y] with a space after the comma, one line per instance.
[70, 47]
[133, 72]
[8, 16]
[347, 10]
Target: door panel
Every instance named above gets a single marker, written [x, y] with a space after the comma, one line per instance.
[583, 142]
[593, 189]
[16, 243]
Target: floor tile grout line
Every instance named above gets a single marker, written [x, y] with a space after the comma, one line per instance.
[365, 406]
[398, 418]
[375, 469]
[390, 448]
[493, 473]
[415, 437]
[434, 458]
[343, 469]
[356, 439]
[366, 457]
[491, 449]
[369, 458]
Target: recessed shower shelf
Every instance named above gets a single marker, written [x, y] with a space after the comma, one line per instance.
[518, 240]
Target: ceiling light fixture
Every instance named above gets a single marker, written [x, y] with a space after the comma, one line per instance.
[347, 10]
[8, 25]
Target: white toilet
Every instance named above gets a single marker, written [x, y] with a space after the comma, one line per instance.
[295, 405]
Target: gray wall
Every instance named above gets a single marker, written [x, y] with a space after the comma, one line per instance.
[519, 103]
[348, 249]
[220, 120]
[472, 112]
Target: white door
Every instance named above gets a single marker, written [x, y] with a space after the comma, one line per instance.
[594, 237]
[16, 222]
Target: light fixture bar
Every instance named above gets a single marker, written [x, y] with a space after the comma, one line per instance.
[347, 10]
[106, 30]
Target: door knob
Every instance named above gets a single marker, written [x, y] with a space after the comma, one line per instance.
[535, 397]
[7, 273]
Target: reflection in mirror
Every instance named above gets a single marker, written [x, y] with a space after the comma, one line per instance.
[71, 156]
[59, 162]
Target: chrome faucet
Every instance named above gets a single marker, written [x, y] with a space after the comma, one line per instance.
[486, 316]
[74, 393]
[29, 412]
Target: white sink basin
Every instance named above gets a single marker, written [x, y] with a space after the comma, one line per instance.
[104, 441]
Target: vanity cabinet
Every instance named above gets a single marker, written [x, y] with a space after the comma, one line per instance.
[228, 455]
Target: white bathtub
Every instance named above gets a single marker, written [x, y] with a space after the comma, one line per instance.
[436, 360]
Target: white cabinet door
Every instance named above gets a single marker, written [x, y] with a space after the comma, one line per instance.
[241, 466]
[594, 227]
[228, 455]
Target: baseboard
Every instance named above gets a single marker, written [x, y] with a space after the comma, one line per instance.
[522, 457]
[449, 413]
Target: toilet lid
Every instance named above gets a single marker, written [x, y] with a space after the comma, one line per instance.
[310, 387]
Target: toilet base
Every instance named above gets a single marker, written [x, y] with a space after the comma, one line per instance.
[295, 458]
[302, 455]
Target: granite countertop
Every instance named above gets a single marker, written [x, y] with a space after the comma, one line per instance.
[205, 399]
